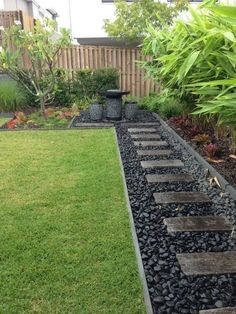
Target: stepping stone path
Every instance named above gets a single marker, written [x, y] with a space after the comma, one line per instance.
[198, 223]
[147, 136]
[225, 310]
[205, 263]
[165, 178]
[154, 152]
[175, 163]
[209, 263]
[151, 143]
[142, 130]
[181, 198]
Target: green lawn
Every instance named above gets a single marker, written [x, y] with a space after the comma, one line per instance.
[65, 238]
[3, 120]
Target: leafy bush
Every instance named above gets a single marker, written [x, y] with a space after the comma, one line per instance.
[198, 58]
[12, 97]
[169, 110]
[63, 89]
[89, 83]
[167, 103]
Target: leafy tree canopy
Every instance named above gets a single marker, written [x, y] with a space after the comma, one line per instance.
[131, 19]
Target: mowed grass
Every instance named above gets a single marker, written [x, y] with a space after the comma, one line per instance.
[65, 244]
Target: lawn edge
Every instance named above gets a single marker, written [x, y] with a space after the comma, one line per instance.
[224, 183]
[146, 296]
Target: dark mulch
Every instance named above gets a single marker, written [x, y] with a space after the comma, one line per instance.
[227, 168]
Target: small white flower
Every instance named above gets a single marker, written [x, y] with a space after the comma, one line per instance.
[1, 28]
[17, 22]
[1, 49]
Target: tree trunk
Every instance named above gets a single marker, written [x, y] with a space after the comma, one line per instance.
[43, 108]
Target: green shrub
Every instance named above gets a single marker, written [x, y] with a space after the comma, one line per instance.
[12, 97]
[169, 110]
[106, 78]
[63, 89]
[167, 103]
[89, 83]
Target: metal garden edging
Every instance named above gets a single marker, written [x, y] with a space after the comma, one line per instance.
[146, 295]
[224, 184]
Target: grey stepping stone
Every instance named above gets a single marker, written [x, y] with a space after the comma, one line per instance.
[198, 223]
[140, 130]
[146, 136]
[162, 178]
[210, 263]
[181, 197]
[223, 310]
[162, 163]
[138, 124]
[154, 152]
[151, 143]
[94, 125]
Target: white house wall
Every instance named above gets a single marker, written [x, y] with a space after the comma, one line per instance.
[88, 20]
[12, 5]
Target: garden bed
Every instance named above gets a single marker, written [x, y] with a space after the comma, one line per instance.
[56, 117]
[223, 159]
[171, 291]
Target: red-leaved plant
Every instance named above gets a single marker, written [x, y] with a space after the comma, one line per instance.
[210, 150]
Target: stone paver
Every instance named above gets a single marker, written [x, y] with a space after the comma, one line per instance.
[210, 263]
[146, 136]
[223, 310]
[154, 152]
[162, 163]
[165, 178]
[181, 197]
[94, 125]
[140, 130]
[139, 124]
[198, 223]
[151, 143]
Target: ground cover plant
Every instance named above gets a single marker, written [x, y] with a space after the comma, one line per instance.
[56, 117]
[197, 58]
[66, 242]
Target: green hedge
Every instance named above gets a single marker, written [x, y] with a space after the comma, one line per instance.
[89, 83]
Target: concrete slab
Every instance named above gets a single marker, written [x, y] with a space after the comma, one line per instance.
[155, 152]
[181, 198]
[167, 163]
[169, 177]
[198, 224]
[210, 263]
[151, 143]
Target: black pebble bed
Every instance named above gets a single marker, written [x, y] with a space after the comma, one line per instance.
[170, 290]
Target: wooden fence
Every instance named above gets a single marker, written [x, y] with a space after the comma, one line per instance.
[125, 60]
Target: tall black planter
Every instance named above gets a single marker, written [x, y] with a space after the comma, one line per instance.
[114, 103]
[131, 109]
[96, 111]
